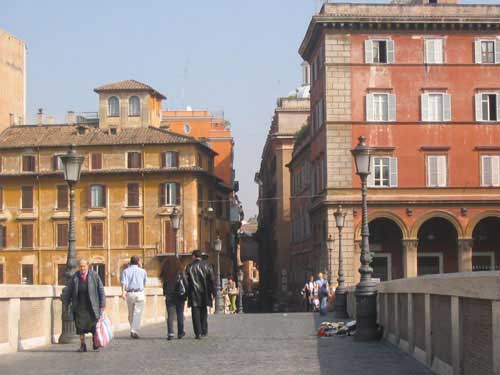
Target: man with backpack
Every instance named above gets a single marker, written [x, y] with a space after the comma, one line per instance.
[201, 291]
[323, 292]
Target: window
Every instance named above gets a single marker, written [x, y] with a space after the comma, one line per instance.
[199, 160]
[187, 128]
[61, 274]
[96, 160]
[318, 115]
[62, 235]
[27, 236]
[28, 163]
[436, 171]
[3, 236]
[100, 269]
[381, 107]
[57, 164]
[487, 106]
[113, 107]
[384, 172]
[27, 197]
[134, 106]
[62, 197]
[200, 196]
[434, 51]
[1, 198]
[134, 160]
[379, 51]
[487, 51]
[170, 194]
[96, 235]
[490, 170]
[436, 107]
[133, 234]
[27, 274]
[1, 274]
[429, 263]
[133, 195]
[170, 159]
[97, 196]
[168, 237]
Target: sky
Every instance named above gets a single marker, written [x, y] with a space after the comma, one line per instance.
[221, 55]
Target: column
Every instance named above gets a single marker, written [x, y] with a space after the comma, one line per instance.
[410, 257]
[465, 255]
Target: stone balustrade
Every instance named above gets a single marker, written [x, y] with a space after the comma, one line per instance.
[31, 314]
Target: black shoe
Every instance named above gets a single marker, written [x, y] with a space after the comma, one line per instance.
[169, 338]
[203, 335]
[134, 335]
[83, 348]
[95, 347]
[181, 335]
[198, 337]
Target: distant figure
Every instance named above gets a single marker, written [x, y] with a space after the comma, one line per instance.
[201, 291]
[232, 292]
[175, 287]
[133, 283]
[323, 292]
[86, 294]
[308, 293]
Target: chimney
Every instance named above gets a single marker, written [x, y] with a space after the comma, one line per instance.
[12, 119]
[70, 118]
[40, 116]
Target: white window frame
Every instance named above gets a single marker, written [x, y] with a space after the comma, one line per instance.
[110, 112]
[491, 254]
[388, 256]
[138, 113]
[134, 152]
[393, 172]
[478, 58]
[173, 155]
[494, 172]
[95, 200]
[479, 105]
[445, 106]
[59, 164]
[390, 108]
[431, 46]
[390, 51]
[170, 193]
[441, 178]
[432, 255]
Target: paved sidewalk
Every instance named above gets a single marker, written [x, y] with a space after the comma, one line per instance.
[237, 344]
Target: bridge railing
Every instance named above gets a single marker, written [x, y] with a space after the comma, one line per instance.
[31, 314]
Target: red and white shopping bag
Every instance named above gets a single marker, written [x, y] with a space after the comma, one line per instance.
[104, 331]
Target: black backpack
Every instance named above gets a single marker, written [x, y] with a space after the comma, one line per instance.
[180, 287]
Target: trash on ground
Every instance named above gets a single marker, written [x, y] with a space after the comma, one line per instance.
[327, 329]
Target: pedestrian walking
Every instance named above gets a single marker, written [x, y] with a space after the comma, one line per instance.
[175, 287]
[201, 291]
[323, 292]
[133, 283]
[232, 292]
[86, 295]
[308, 293]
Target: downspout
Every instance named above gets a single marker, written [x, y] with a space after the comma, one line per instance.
[143, 205]
[108, 239]
[39, 227]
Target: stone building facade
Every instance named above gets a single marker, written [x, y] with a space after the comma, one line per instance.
[133, 176]
[13, 80]
[420, 81]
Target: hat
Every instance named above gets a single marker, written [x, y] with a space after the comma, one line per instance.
[197, 253]
[204, 255]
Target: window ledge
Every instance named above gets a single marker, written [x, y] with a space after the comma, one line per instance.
[61, 215]
[3, 217]
[132, 214]
[95, 215]
[166, 210]
[27, 216]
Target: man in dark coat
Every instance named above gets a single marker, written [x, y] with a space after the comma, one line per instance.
[201, 291]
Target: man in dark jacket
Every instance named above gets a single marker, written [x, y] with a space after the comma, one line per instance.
[201, 291]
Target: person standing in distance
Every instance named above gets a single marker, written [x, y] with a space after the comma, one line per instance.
[133, 282]
[201, 291]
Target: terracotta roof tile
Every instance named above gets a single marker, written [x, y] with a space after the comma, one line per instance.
[128, 85]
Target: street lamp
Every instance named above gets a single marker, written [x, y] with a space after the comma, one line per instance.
[240, 290]
[329, 244]
[175, 219]
[72, 166]
[219, 301]
[366, 290]
[340, 291]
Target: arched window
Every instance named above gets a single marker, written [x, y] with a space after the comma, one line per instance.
[134, 106]
[113, 106]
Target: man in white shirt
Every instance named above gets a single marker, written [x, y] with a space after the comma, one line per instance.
[133, 282]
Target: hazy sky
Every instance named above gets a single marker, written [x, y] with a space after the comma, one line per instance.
[235, 56]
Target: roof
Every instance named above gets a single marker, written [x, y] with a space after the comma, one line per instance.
[24, 136]
[128, 85]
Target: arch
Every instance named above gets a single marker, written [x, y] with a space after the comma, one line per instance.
[434, 214]
[385, 215]
[113, 106]
[476, 219]
[134, 106]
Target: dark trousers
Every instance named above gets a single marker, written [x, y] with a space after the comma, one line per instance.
[175, 307]
[200, 323]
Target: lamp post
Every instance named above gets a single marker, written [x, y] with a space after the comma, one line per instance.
[175, 219]
[219, 302]
[240, 290]
[366, 290]
[340, 291]
[329, 244]
[72, 164]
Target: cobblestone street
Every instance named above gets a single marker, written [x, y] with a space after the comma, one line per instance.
[237, 344]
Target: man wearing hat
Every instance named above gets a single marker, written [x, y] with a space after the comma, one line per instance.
[201, 291]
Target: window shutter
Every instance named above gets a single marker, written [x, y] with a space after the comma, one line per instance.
[27, 197]
[429, 51]
[129, 160]
[54, 162]
[446, 107]
[27, 235]
[3, 236]
[97, 234]
[442, 178]
[162, 195]
[176, 158]
[133, 234]
[497, 51]
[133, 195]
[104, 204]
[62, 197]
[177, 194]
[168, 234]
[479, 107]
[163, 157]
[495, 169]
[369, 107]
[368, 52]
[390, 51]
[438, 51]
[477, 51]
[371, 177]
[391, 100]
[1, 198]
[424, 103]
[498, 106]
[393, 176]
[431, 171]
[486, 170]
